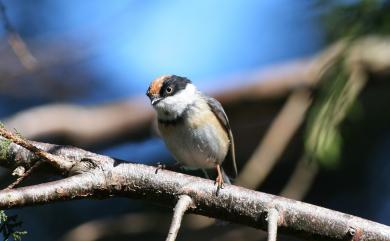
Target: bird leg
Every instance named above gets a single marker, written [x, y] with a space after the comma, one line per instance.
[219, 179]
[160, 166]
[177, 166]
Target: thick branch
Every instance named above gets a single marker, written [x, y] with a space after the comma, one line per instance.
[235, 204]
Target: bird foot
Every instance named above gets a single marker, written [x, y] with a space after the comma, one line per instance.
[160, 166]
[219, 180]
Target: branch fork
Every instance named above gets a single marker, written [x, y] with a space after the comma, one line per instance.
[182, 205]
[233, 204]
[273, 220]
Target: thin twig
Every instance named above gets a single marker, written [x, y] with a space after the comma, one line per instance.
[25, 175]
[181, 207]
[273, 217]
[234, 204]
[16, 42]
[57, 161]
[300, 180]
[275, 140]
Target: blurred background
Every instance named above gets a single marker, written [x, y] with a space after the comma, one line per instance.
[304, 86]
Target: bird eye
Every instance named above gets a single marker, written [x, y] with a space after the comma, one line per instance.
[169, 90]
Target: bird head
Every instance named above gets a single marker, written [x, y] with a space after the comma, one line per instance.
[170, 95]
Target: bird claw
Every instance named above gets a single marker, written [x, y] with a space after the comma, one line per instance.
[219, 182]
[160, 166]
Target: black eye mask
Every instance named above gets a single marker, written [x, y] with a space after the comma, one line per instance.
[173, 85]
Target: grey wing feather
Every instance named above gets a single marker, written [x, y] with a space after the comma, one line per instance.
[217, 109]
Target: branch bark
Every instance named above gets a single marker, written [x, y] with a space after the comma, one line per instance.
[55, 160]
[183, 204]
[273, 218]
[104, 177]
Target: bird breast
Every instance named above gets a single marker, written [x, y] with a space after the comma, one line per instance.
[199, 140]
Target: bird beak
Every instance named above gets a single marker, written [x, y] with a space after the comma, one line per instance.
[154, 99]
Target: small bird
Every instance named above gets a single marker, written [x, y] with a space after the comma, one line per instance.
[194, 126]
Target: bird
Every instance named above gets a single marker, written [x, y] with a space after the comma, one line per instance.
[194, 126]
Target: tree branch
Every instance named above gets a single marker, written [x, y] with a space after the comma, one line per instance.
[181, 207]
[16, 42]
[107, 177]
[55, 160]
[103, 177]
[273, 216]
[23, 175]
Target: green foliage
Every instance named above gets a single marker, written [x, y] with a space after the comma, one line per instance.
[338, 89]
[5, 143]
[352, 20]
[337, 97]
[323, 141]
[9, 226]
[4, 146]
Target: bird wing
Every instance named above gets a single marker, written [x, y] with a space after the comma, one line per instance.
[217, 109]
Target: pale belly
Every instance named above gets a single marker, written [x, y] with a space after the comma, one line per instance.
[199, 144]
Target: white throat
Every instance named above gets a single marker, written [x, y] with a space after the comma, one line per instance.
[172, 107]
